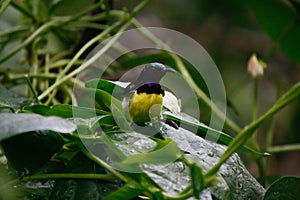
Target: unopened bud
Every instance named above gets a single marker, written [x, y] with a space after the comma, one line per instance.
[255, 66]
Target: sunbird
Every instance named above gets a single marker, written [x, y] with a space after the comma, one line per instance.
[146, 94]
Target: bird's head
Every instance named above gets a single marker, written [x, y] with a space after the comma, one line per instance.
[152, 73]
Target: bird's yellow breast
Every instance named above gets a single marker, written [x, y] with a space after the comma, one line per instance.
[143, 107]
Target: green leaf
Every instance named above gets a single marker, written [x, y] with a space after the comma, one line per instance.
[234, 181]
[274, 16]
[68, 111]
[115, 106]
[15, 124]
[82, 189]
[38, 109]
[278, 19]
[287, 188]
[127, 191]
[187, 122]
[30, 151]
[102, 97]
[90, 125]
[291, 41]
[112, 87]
[68, 8]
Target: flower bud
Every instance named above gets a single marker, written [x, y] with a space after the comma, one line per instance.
[255, 66]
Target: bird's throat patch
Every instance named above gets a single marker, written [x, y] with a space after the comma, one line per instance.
[151, 88]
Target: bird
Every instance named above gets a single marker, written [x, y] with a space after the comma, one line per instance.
[146, 94]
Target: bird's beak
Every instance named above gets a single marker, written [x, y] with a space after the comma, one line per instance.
[168, 69]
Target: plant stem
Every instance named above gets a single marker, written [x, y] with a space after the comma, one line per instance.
[180, 196]
[32, 36]
[255, 94]
[32, 89]
[253, 140]
[39, 76]
[284, 148]
[34, 62]
[242, 137]
[103, 164]
[13, 31]
[61, 78]
[58, 21]
[270, 133]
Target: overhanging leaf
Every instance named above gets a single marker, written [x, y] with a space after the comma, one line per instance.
[31, 150]
[14, 124]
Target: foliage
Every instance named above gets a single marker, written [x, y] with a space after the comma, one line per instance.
[54, 150]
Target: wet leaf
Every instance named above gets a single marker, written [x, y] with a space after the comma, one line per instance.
[24, 122]
[287, 188]
[234, 181]
[29, 151]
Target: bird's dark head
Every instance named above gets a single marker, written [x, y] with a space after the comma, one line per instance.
[152, 73]
[156, 70]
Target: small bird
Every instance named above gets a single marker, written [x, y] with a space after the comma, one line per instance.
[146, 94]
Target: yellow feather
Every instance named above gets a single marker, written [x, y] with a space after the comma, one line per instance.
[141, 104]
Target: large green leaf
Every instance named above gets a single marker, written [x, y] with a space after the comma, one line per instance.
[278, 19]
[15, 124]
[31, 150]
[174, 177]
[274, 16]
[234, 181]
[287, 188]
[82, 189]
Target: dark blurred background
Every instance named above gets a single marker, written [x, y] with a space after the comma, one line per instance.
[230, 32]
